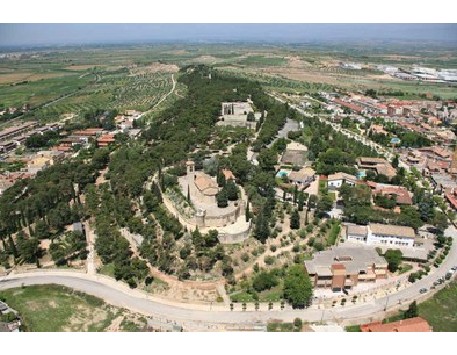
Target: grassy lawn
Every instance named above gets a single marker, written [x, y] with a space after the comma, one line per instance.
[283, 327]
[107, 269]
[53, 308]
[405, 268]
[441, 310]
[272, 295]
[242, 297]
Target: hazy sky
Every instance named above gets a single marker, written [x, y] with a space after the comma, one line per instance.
[58, 34]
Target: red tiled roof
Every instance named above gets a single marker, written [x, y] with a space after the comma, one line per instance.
[402, 194]
[228, 174]
[416, 324]
[452, 199]
[349, 105]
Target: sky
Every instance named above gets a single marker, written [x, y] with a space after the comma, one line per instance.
[71, 34]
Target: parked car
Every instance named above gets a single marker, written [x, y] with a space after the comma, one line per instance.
[423, 290]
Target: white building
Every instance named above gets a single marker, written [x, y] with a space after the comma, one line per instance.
[334, 181]
[381, 234]
[423, 70]
[387, 69]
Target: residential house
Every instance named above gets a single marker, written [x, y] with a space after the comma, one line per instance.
[295, 154]
[105, 140]
[302, 178]
[378, 165]
[334, 181]
[401, 194]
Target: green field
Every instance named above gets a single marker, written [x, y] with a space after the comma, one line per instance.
[441, 310]
[119, 76]
[53, 308]
[263, 61]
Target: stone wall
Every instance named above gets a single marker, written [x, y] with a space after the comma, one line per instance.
[234, 238]
[224, 219]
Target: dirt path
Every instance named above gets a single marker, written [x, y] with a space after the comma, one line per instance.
[162, 99]
[101, 177]
[90, 238]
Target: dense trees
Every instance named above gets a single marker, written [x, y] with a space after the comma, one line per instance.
[222, 198]
[264, 281]
[357, 208]
[331, 150]
[190, 121]
[46, 139]
[298, 289]
[70, 246]
[45, 202]
[232, 190]
[408, 138]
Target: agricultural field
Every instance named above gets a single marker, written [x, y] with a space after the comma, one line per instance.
[114, 90]
[52, 308]
[71, 80]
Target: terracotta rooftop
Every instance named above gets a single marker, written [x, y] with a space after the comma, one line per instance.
[401, 193]
[416, 324]
[206, 185]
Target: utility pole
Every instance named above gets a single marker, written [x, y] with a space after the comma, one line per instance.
[385, 306]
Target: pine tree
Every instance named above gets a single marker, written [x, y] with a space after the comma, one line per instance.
[220, 178]
[294, 220]
[262, 228]
[162, 183]
[301, 201]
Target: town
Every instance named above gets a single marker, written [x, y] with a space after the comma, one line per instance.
[200, 198]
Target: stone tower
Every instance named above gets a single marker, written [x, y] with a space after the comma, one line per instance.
[190, 170]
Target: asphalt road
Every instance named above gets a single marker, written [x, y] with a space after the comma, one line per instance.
[183, 313]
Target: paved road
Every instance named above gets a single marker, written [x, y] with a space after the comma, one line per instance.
[139, 302]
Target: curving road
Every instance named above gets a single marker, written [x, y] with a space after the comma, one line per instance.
[119, 295]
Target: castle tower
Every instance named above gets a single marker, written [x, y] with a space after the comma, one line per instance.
[200, 217]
